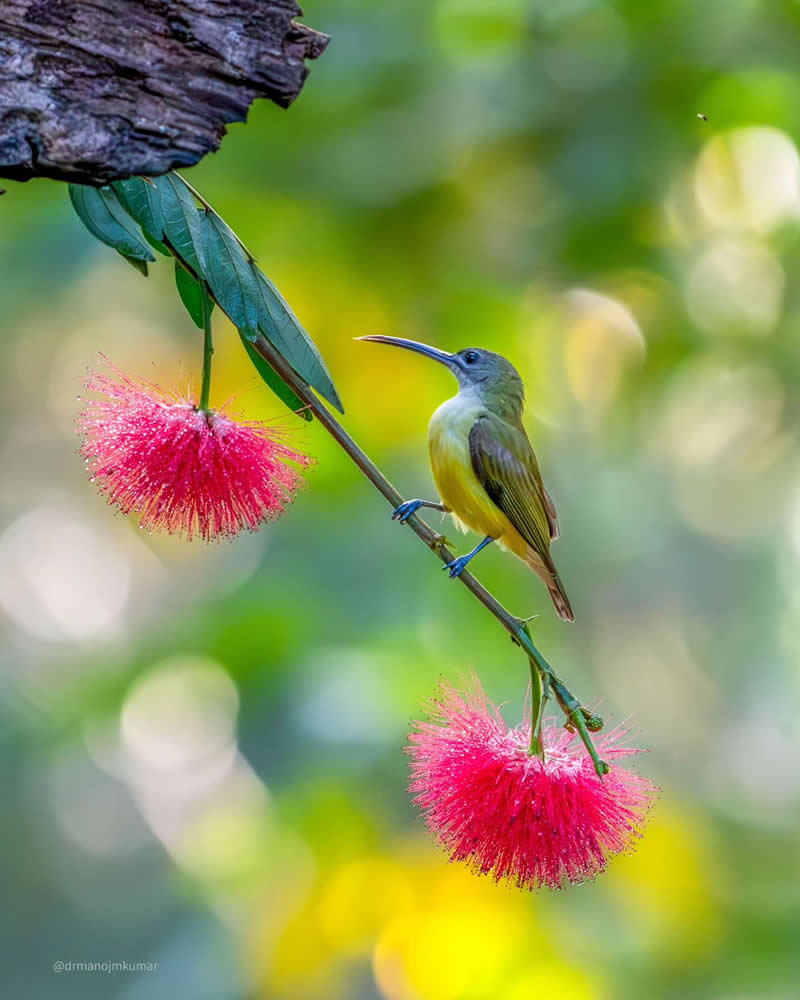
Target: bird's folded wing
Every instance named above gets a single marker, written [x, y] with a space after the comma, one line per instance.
[552, 517]
[506, 466]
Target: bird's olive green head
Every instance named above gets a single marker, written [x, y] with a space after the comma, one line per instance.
[490, 376]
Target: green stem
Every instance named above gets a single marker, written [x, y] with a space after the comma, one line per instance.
[539, 687]
[208, 349]
[578, 717]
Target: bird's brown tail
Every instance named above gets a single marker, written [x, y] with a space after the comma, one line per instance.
[559, 598]
[545, 569]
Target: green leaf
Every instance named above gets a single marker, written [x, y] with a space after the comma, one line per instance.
[183, 221]
[191, 294]
[140, 265]
[286, 334]
[158, 245]
[106, 219]
[284, 393]
[141, 199]
[166, 208]
[230, 276]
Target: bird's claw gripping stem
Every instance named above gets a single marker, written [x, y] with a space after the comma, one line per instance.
[406, 509]
[456, 567]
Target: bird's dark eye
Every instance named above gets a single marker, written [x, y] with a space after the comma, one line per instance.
[471, 357]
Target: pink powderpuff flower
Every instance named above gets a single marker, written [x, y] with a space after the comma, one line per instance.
[180, 469]
[492, 804]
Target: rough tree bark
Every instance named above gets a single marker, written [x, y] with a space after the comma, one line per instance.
[97, 90]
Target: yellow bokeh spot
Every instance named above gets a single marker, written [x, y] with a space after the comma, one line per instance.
[358, 901]
[668, 886]
[729, 179]
[300, 957]
[449, 952]
[602, 340]
[557, 980]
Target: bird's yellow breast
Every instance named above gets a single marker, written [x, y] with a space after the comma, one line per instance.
[448, 441]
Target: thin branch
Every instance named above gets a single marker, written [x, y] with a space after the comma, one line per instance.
[208, 349]
[538, 702]
[578, 717]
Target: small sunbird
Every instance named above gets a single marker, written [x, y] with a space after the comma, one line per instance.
[484, 466]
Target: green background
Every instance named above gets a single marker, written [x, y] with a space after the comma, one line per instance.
[201, 747]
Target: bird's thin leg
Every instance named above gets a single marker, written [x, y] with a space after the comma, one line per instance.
[409, 507]
[456, 567]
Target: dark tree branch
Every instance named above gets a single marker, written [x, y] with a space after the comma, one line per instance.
[97, 90]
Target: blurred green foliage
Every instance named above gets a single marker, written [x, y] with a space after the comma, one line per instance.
[202, 746]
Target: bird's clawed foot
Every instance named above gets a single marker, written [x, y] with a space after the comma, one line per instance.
[406, 509]
[457, 566]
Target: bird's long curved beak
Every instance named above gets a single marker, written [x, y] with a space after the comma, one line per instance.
[413, 345]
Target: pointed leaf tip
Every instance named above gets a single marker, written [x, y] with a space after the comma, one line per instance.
[191, 295]
[271, 378]
[287, 335]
